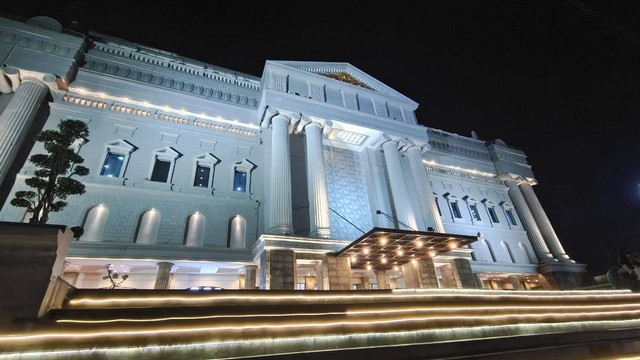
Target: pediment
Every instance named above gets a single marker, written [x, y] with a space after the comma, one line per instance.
[345, 73]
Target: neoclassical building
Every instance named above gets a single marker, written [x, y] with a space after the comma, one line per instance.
[313, 176]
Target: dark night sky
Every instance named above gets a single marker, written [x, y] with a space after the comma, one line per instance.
[558, 78]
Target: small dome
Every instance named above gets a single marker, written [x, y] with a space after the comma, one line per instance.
[45, 22]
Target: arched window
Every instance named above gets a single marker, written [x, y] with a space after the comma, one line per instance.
[237, 232]
[527, 254]
[493, 256]
[94, 222]
[507, 250]
[194, 230]
[147, 229]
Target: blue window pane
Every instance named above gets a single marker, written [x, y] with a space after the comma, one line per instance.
[455, 210]
[511, 217]
[475, 214]
[202, 176]
[112, 165]
[161, 171]
[239, 181]
[494, 216]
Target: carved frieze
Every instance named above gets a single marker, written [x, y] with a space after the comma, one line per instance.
[35, 42]
[166, 81]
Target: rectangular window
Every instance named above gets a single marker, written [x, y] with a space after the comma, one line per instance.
[161, 170]
[202, 176]
[112, 165]
[456, 210]
[475, 214]
[239, 181]
[438, 206]
[511, 217]
[300, 286]
[493, 215]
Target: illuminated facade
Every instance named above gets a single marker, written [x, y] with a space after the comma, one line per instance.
[204, 176]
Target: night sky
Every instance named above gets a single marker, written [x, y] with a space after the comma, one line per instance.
[559, 79]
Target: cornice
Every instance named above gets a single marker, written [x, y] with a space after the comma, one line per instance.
[23, 35]
[166, 78]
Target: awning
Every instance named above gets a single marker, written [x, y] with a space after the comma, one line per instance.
[384, 249]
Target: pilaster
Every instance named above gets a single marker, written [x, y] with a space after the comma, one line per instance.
[424, 191]
[399, 192]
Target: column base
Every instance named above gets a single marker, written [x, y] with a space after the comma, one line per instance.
[280, 230]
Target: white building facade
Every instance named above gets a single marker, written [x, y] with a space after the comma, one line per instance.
[202, 176]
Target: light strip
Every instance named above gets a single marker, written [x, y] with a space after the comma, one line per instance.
[458, 168]
[382, 338]
[222, 297]
[359, 312]
[182, 112]
[562, 317]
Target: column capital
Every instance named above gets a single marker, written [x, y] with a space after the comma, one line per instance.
[386, 138]
[17, 76]
[423, 147]
[246, 268]
[271, 114]
[305, 121]
[165, 265]
[519, 179]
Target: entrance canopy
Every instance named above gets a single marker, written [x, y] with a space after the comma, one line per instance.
[385, 249]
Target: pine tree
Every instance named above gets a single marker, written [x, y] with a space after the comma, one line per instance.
[53, 181]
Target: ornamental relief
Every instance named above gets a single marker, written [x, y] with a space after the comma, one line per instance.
[442, 146]
[35, 43]
[163, 81]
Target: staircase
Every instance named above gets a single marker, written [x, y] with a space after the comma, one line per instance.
[423, 323]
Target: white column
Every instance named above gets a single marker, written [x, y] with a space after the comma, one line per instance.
[280, 218]
[424, 192]
[250, 272]
[528, 222]
[17, 118]
[542, 220]
[317, 183]
[163, 276]
[401, 202]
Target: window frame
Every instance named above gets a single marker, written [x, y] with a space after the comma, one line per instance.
[167, 154]
[242, 166]
[204, 160]
[117, 147]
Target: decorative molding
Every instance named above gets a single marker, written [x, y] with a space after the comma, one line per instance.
[456, 174]
[35, 42]
[156, 114]
[174, 63]
[168, 81]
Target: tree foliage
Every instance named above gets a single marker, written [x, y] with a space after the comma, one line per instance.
[52, 181]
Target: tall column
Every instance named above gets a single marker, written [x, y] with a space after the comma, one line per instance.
[317, 183]
[401, 202]
[364, 283]
[427, 201]
[250, 276]
[163, 277]
[381, 278]
[543, 222]
[17, 118]
[528, 222]
[280, 218]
